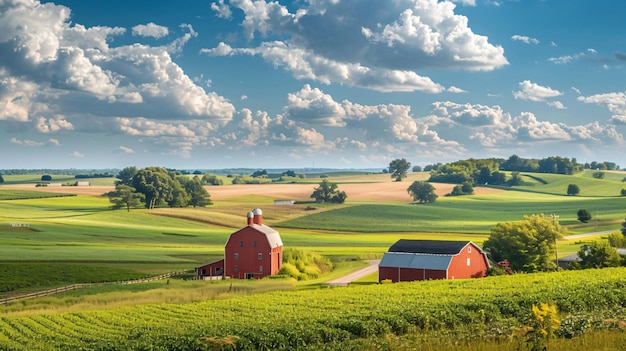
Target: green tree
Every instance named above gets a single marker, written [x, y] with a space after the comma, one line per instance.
[422, 192]
[583, 215]
[617, 239]
[529, 245]
[258, 174]
[125, 196]
[417, 168]
[198, 196]
[599, 254]
[623, 192]
[156, 184]
[46, 178]
[398, 168]
[211, 179]
[126, 175]
[623, 228]
[573, 190]
[328, 192]
[1, 179]
[598, 175]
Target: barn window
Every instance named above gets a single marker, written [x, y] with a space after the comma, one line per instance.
[241, 243]
[469, 249]
[260, 268]
[236, 255]
[260, 256]
[254, 243]
[235, 268]
[468, 262]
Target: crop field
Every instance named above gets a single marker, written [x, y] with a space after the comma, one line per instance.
[489, 309]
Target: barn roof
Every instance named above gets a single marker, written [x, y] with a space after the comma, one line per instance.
[415, 261]
[273, 237]
[432, 247]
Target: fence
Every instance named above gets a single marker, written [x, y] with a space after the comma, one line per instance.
[7, 299]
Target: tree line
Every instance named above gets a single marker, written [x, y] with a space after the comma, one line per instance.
[159, 187]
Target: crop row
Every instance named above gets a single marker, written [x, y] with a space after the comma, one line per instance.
[489, 307]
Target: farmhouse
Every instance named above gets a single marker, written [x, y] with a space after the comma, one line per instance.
[254, 251]
[409, 260]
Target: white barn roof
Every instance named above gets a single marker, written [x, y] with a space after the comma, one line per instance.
[273, 237]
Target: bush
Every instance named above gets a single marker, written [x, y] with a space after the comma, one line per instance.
[583, 215]
[617, 239]
[623, 192]
[304, 265]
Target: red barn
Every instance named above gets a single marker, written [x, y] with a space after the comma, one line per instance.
[409, 260]
[254, 251]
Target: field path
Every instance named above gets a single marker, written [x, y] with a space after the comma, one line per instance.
[355, 275]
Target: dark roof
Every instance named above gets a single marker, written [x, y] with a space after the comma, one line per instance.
[432, 247]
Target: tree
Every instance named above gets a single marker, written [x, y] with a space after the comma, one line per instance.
[211, 179]
[583, 215]
[599, 254]
[288, 173]
[398, 168]
[198, 196]
[125, 196]
[422, 191]
[328, 192]
[623, 192]
[1, 179]
[156, 184]
[529, 245]
[623, 228]
[598, 175]
[258, 174]
[417, 168]
[46, 178]
[125, 175]
[573, 190]
[617, 239]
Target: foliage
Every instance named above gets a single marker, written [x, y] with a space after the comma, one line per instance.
[462, 189]
[598, 175]
[161, 187]
[617, 239]
[529, 245]
[288, 173]
[599, 254]
[126, 175]
[623, 192]
[623, 228]
[328, 192]
[125, 196]
[258, 174]
[1, 179]
[337, 319]
[46, 178]
[417, 168]
[304, 265]
[211, 179]
[398, 168]
[541, 327]
[573, 190]
[422, 192]
[198, 196]
[584, 215]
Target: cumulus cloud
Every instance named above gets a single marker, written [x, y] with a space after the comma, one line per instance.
[50, 63]
[614, 102]
[150, 30]
[26, 142]
[77, 154]
[535, 92]
[377, 45]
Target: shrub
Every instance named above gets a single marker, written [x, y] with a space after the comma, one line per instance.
[583, 215]
[617, 239]
[623, 192]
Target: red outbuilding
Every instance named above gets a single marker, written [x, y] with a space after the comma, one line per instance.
[254, 251]
[409, 260]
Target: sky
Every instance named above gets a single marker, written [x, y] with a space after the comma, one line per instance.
[309, 83]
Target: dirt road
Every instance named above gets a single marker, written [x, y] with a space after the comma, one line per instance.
[355, 275]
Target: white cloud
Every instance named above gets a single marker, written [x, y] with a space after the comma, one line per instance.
[223, 10]
[314, 107]
[535, 92]
[52, 125]
[525, 39]
[455, 90]
[374, 51]
[77, 154]
[123, 150]
[614, 102]
[26, 142]
[150, 30]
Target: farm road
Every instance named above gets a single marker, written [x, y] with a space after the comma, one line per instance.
[580, 236]
[355, 275]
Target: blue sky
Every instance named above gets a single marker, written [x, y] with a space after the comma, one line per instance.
[318, 83]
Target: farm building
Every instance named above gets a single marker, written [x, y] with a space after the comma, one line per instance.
[409, 260]
[254, 251]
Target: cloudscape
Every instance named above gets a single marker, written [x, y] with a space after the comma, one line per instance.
[324, 83]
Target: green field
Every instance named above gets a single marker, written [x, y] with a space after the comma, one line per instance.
[50, 240]
[380, 316]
